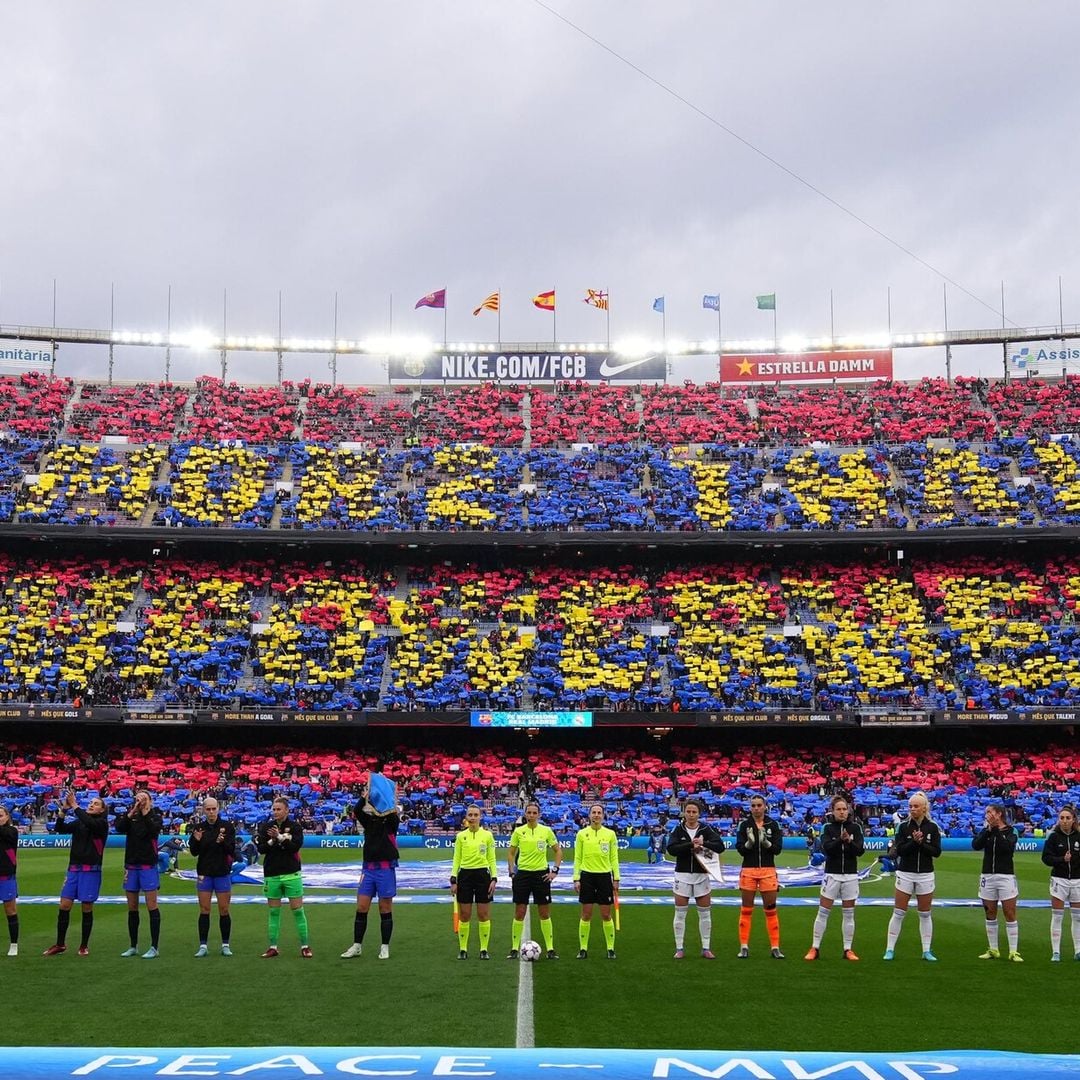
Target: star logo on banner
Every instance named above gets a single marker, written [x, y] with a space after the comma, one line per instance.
[745, 367]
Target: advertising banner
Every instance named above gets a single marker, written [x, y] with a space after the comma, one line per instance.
[517, 367]
[423, 1062]
[807, 366]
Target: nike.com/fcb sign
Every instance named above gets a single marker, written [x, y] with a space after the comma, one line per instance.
[527, 367]
[806, 367]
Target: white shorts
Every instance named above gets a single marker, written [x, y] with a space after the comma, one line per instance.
[1065, 890]
[840, 887]
[914, 884]
[998, 887]
[694, 885]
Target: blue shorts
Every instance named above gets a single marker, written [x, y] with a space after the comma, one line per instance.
[82, 885]
[8, 889]
[379, 881]
[141, 879]
[217, 885]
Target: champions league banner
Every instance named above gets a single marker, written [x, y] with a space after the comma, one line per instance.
[533, 367]
[423, 1062]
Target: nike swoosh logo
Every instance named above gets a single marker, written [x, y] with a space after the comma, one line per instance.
[609, 372]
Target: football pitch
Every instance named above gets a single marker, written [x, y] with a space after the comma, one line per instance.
[424, 996]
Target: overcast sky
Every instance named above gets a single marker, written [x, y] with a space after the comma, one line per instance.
[392, 147]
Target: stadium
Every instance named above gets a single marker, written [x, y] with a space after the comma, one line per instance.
[480, 481]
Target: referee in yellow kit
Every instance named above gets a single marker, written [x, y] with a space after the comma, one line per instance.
[472, 880]
[531, 876]
[596, 878]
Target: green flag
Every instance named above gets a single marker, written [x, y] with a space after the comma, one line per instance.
[767, 302]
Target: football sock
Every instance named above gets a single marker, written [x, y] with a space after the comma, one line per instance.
[155, 927]
[359, 927]
[13, 928]
[273, 925]
[204, 928]
[1056, 917]
[548, 930]
[704, 923]
[225, 922]
[992, 934]
[1012, 935]
[485, 934]
[386, 926]
[926, 930]
[463, 935]
[896, 920]
[745, 915]
[772, 927]
[679, 923]
[87, 928]
[300, 918]
[847, 926]
[583, 934]
[516, 930]
[609, 932]
[821, 920]
[64, 917]
[133, 928]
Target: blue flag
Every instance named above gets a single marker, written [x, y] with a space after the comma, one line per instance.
[710, 302]
[658, 305]
[382, 794]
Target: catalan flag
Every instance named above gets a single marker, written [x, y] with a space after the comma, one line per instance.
[596, 297]
[545, 301]
[490, 304]
[436, 299]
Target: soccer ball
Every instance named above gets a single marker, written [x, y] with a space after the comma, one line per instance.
[530, 950]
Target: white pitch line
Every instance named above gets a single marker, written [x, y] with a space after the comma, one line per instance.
[524, 1028]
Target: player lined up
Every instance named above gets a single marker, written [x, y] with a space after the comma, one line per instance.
[535, 859]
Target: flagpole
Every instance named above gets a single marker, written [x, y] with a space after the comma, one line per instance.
[607, 312]
[391, 334]
[719, 342]
[554, 335]
[498, 315]
[444, 319]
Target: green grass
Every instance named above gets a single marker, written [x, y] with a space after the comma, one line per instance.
[425, 996]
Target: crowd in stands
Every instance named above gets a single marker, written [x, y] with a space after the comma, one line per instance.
[577, 456]
[929, 634]
[640, 789]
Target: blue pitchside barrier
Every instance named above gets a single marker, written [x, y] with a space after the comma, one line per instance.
[421, 1063]
[441, 843]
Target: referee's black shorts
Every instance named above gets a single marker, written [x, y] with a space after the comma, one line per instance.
[531, 884]
[473, 887]
[596, 888]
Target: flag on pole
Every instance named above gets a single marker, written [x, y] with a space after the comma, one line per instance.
[711, 302]
[545, 301]
[490, 304]
[436, 299]
[596, 297]
[658, 305]
[766, 302]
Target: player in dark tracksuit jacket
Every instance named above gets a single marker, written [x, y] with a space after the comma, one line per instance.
[279, 841]
[759, 840]
[213, 843]
[141, 826]
[88, 833]
[997, 882]
[379, 876]
[691, 879]
[9, 890]
[918, 844]
[1061, 852]
[841, 843]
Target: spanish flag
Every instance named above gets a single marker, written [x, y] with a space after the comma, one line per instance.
[545, 301]
[490, 304]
